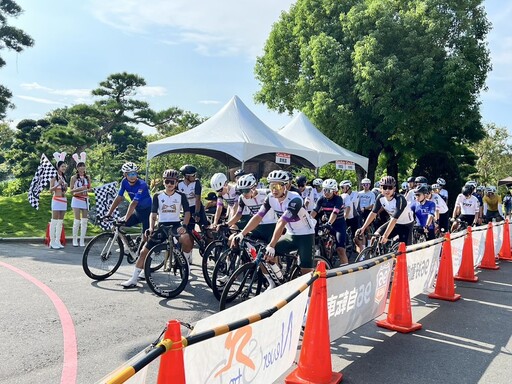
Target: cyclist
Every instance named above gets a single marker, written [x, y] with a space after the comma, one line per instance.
[424, 211]
[442, 216]
[317, 190]
[250, 200]
[401, 219]
[366, 203]
[306, 192]
[166, 207]
[332, 206]
[192, 188]
[138, 192]
[467, 208]
[300, 226]
[351, 201]
[507, 202]
[442, 192]
[492, 205]
[225, 192]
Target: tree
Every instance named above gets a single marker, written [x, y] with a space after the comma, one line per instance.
[390, 77]
[13, 39]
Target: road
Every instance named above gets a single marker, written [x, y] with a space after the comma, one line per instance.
[53, 316]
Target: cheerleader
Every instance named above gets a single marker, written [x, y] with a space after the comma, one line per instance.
[80, 184]
[58, 186]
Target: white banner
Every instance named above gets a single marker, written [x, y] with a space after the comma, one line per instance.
[261, 351]
[283, 158]
[345, 165]
[497, 232]
[479, 244]
[356, 298]
[457, 247]
[422, 266]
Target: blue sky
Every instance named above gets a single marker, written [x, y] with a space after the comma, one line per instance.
[193, 54]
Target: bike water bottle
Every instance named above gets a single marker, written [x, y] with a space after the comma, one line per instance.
[277, 271]
[130, 241]
[252, 251]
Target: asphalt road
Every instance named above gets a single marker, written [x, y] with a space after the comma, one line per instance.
[469, 341]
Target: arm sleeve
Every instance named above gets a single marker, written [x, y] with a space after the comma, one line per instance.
[265, 207]
[401, 204]
[184, 203]
[154, 204]
[378, 204]
[198, 188]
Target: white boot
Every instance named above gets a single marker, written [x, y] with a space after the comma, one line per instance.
[76, 226]
[83, 231]
[53, 232]
[58, 230]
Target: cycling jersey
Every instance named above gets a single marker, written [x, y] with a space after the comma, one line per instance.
[444, 194]
[169, 207]
[351, 200]
[397, 208]
[231, 197]
[468, 206]
[410, 196]
[191, 190]
[440, 203]
[298, 221]
[366, 199]
[327, 206]
[307, 196]
[423, 211]
[316, 195]
[138, 192]
[253, 204]
[492, 202]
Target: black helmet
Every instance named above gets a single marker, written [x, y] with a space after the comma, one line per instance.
[421, 180]
[421, 189]
[239, 172]
[410, 179]
[301, 181]
[188, 169]
[467, 190]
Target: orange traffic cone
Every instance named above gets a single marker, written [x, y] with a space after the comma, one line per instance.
[489, 259]
[445, 286]
[172, 369]
[467, 266]
[315, 365]
[399, 309]
[47, 235]
[504, 253]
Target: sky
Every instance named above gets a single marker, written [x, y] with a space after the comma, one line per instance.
[193, 54]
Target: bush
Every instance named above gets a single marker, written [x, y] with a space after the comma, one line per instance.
[11, 187]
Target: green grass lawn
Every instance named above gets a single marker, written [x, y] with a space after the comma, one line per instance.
[19, 219]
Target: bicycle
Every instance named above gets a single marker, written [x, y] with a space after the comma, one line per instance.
[104, 253]
[213, 252]
[418, 234]
[166, 268]
[325, 245]
[458, 225]
[248, 280]
[376, 248]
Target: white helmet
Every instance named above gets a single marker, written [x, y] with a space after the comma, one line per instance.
[278, 176]
[317, 182]
[246, 181]
[441, 181]
[366, 181]
[129, 167]
[376, 185]
[405, 184]
[491, 189]
[330, 184]
[436, 186]
[346, 183]
[218, 180]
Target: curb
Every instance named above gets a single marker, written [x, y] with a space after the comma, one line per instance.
[32, 239]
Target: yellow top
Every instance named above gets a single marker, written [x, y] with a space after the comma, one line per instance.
[492, 202]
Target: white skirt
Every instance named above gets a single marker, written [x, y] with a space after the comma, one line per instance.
[59, 203]
[80, 203]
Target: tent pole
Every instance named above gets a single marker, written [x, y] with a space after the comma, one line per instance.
[147, 170]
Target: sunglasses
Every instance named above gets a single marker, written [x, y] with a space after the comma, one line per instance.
[131, 174]
[170, 181]
[191, 175]
[245, 190]
[301, 185]
[276, 186]
[327, 190]
[365, 185]
[387, 187]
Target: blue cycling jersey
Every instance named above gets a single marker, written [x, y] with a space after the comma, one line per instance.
[422, 211]
[138, 192]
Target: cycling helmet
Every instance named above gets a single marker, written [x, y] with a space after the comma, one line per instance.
[480, 188]
[491, 189]
[317, 182]
[129, 167]
[388, 181]
[421, 180]
[246, 181]
[239, 172]
[421, 189]
[278, 176]
[170, 174]
[301, 181]
[366, 181]
[436, 186]
[405, 185]
[188, 169]
[410, 179]
[345, 183]
[376, 190]
[330, 184]
[217, 181]
[376, 185]
[441, 181]
[472, 183]
[467, 190]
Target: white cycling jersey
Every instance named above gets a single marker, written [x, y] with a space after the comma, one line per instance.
[252, 206]
[168, 207]
[440, 203]
[397, 208]
[350, 200]
[468, 206]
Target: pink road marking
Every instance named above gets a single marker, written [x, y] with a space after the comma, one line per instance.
[69, 369]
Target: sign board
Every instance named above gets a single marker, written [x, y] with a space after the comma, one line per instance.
[282, 158]
[345, 165]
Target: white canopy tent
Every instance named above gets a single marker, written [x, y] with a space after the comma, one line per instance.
[301, 130]
[234, 135]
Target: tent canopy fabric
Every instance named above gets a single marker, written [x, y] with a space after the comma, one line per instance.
[301, 130]
[505, 181]
[233, 135]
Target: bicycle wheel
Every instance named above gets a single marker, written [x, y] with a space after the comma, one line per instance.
[328, 263]
[244, 284]
[210, 256]
[166, 272]
[366, 254]
[102, 256]
[228, 262]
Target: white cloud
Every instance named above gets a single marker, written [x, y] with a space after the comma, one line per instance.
[209, 102]
[32, 86]
[149, 91]
[230, 27]
[40, 100]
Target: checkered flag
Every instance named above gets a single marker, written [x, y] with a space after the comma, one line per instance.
[105, 195]
[45, 172]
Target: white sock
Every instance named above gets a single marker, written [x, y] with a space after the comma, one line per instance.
[136, 272]
[188, 256]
